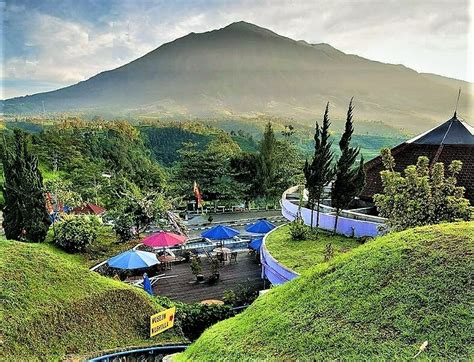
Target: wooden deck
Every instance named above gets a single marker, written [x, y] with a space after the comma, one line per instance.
[184, 288]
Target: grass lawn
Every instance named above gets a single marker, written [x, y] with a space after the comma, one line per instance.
[377, 302]
[303, 254]
[53, 307]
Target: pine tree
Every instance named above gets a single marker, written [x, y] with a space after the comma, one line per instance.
[24, 213]
[266, 164]
[349, 180]
[319, 172]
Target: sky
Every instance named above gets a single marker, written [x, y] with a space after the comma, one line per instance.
[48, 44]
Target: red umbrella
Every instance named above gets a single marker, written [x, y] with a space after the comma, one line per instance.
[163, 239]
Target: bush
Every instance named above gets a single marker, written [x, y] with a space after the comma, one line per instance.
[193, 319]
[240, 296]
[75, 233]
[298, 230]
[123, 225]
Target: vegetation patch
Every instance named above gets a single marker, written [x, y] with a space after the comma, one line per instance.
[380, 301]
[53, 306]
[300, 255]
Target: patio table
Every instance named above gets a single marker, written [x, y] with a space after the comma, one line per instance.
[222, 250]
[166, 261]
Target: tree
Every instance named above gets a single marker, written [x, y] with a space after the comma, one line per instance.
[244, 168]
[62, 193]
[288, 131]
[266, 162]
[211, 169]
[139, 209]
[123, 226]
[24, 213]
[320, 172]
[288, 171]
[143, 207]
[349, 180]
[75, 233]
[422, 196]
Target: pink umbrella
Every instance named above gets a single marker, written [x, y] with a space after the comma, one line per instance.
[164, 239]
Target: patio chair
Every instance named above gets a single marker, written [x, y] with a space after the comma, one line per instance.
[233, 257]
[209, 256]
[154, 279]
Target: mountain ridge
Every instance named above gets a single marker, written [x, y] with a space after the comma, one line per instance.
[243, 69]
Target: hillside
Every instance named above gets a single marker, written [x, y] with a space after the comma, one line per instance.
[247, 70]
[52, 306]
[300, 255]
[380, 301]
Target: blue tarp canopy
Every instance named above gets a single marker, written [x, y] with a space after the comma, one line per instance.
[133, 259]
[220, 232]
[255, 244]
[147, 284]
[260, 227]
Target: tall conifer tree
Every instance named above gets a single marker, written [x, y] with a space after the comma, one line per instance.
[266, 163]
[24, 214]
[349, 180]
[320, 172]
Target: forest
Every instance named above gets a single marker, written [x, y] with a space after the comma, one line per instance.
[93, 161]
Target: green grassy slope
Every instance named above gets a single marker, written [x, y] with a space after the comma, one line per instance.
[380, 301]
[53, 306]
[303, 254]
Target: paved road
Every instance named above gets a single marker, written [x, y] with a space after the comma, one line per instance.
[232, 219]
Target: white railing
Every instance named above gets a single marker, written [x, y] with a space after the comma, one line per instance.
[349, 223]
[272, 269]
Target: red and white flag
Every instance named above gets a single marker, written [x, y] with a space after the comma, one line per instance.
[197, 194]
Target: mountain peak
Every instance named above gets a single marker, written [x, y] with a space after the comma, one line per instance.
[244, 26]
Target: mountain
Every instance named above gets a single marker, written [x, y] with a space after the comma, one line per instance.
[246, 70]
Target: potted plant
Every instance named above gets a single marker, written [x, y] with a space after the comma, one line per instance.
[196, 269]
[215, 268]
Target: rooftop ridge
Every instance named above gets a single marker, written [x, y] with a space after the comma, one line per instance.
[453, 131]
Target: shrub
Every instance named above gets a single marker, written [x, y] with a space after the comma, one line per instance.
[243, 294]
[193, 319]
[298, 230]
[423, 195]
[230, 298]
[75, 233]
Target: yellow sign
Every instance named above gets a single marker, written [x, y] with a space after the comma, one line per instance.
[162, 321]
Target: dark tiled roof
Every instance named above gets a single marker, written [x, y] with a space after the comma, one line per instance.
[451, 132]
[407, 154]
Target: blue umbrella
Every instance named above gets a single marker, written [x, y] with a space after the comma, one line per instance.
[255, 244]
[220, 232]
[147, 284]
[133, 259]
[260, 227]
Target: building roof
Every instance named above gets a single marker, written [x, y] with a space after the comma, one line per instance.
[89, 209]
[452, 140]
[451, 132]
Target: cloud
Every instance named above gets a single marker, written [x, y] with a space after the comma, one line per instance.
[63, 42]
